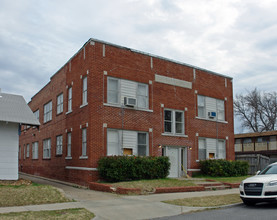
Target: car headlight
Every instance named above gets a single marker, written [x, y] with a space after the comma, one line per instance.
[241, 184]
[272, 183]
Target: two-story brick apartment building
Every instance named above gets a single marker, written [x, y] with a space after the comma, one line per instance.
[112, 100]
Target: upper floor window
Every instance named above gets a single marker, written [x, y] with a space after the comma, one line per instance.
[247, 140]
[59, 145]
[85, 90]
[120, 89]
[173, 121]
[36, 113]
[69, 106]
[210, 108]
[47, 148]
[47, 114]
[60, 103]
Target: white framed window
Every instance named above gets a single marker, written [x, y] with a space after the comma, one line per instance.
[85, 90]
[118, 89]
[201, 106]
[126, 142]
[174, 121]
[35, 150]
[210, 148]
[220, 110]
[59, 145]
[28, 150]
[69, 144]
[47, 148]
[47, 114]
[84, 142]
[69, 103]
[36, 113]
[60, 103]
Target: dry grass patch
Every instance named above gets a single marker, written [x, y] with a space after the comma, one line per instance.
[33, 194]
[150, 185]
[236, 179]
[207, 201]
[59, 214]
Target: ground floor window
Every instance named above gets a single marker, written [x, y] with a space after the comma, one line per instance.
[59, 145]
[47, 148]
[210, 148]
[35, 150]
[126, 142]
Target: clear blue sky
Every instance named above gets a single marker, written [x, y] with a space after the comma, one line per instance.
[237, 38]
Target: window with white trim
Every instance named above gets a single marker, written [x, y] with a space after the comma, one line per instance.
[85, 90]
[69, 144]
[59, 145]
[60, 103]
[35, 150]
[210, 108]
[84, 142]
[118, 89]
[47, 148]
[69, 103]
[126, 142]
[28, 150]
[210, 148]
[173, 121]
[47, 114]
[36, 113]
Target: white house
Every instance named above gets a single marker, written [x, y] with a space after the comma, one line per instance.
[14, 112]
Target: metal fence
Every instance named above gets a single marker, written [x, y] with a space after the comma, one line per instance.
[256, 162]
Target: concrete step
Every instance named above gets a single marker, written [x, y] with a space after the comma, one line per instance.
[217, 187]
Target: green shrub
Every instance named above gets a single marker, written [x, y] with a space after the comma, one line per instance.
[125, 168]
[224, 168]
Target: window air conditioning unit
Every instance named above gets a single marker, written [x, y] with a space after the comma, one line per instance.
[212, 114]
[130, 102]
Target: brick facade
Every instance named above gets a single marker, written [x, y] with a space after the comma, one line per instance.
[97, 61]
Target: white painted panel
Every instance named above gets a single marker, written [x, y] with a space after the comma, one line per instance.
[272, 143]
[210, 106]
[173, 155]
[128, 89]
[211, 145]
[9, 141]
[173, 82]
[130, 140]
[113, 143]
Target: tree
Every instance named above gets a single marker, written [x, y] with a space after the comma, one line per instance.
[257, 110]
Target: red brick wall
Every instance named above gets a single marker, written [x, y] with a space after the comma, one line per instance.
[126, 64]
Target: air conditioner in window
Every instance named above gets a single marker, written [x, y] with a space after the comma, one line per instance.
[130, 102]
[212, 114]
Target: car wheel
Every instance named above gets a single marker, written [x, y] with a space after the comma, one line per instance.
[249, 203]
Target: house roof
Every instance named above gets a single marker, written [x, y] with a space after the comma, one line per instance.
[13, 108]
[257, 134]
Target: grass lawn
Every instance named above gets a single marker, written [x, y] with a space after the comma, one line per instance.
[149, 185]
[32, 194]
[235, 179]
[207, 201]
[60, 214]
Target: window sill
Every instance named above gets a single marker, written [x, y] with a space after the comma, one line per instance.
[58, 155]
[68, 112]
[47, 158]
[83, 105]
[123, 106]
[59, 113]
[68, 158]
[34, 158]
[206, 119]
[174, 135]
[47, 122]
[83, 157]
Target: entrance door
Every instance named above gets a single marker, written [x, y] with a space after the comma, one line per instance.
[173, 154]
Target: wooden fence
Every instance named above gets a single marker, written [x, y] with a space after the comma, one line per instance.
[256, 162]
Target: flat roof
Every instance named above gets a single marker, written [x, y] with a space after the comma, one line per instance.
[256, 134]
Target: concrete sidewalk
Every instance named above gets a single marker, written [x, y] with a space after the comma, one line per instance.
[112, 206]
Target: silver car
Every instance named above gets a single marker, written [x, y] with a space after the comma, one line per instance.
[260, 188]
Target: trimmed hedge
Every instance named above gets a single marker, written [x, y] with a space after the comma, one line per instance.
[224, 168]
[126, 168]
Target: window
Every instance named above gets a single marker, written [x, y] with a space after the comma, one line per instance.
[36, 113]
[60, 104]
[126, 142]
[47, 148]
[120, 88]
[59, 145]
[173, 121]
[210, 148]
[85, 87]
[210, 108]
[247, 141]
[47, 112]
[69, 106]
[84, 142]
[35, 150]
[69, 144]
[28, 150]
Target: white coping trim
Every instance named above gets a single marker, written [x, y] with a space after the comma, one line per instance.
[175, 135]
[194, 170]
[173, 81]
[81, 168]
[68, 112]
[122, 106]
[206, 119]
